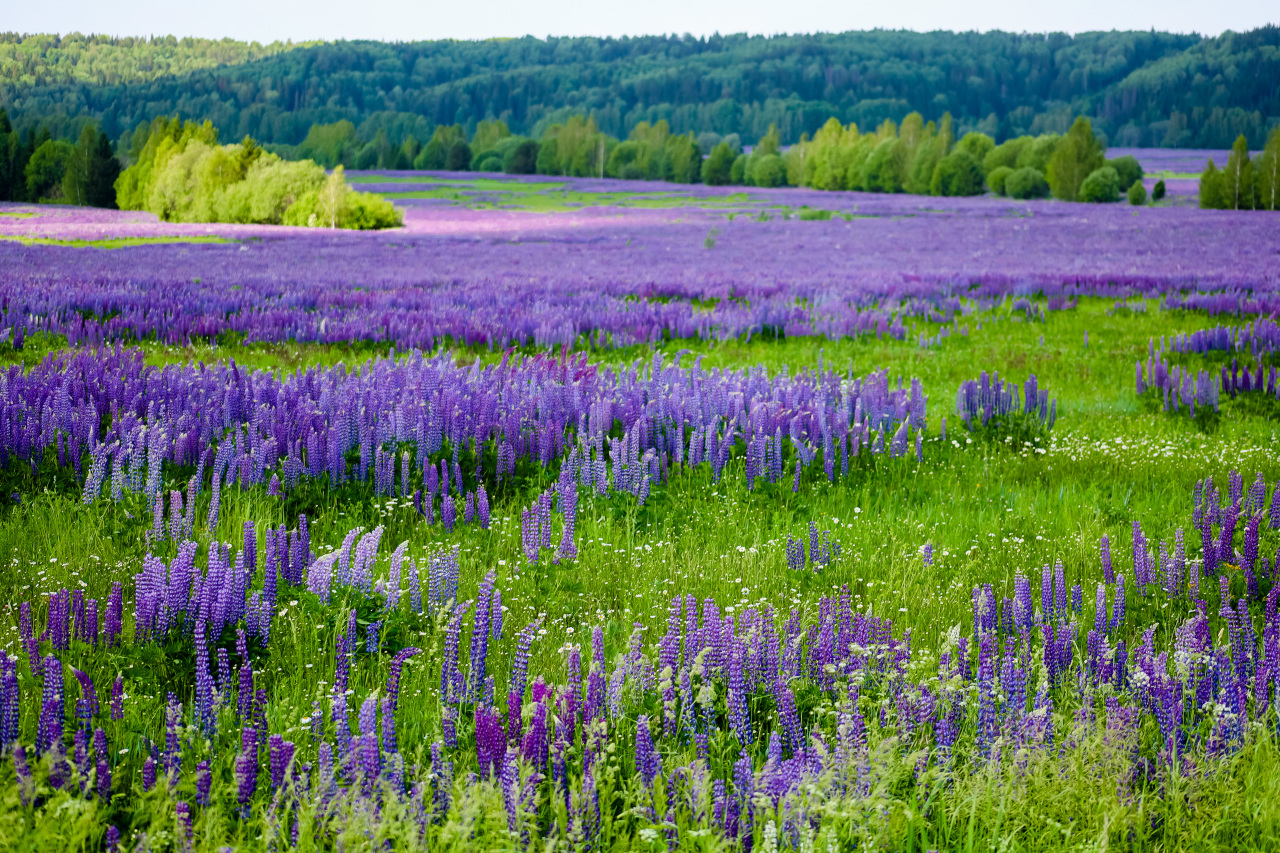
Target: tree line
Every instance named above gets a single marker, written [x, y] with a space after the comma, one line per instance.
[1139, 88]
[916, 156]
[1244, 183]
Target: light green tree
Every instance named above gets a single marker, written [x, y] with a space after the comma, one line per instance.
[1236, 191]
[1077, 156]
[1266, 174]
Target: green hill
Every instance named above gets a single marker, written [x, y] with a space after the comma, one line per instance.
[1141, 88]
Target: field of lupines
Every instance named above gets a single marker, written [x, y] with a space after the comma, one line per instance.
[640, 528]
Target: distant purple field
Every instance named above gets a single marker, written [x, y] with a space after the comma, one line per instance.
[622, 276]
[1181, 160]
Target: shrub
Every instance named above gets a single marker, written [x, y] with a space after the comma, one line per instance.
[1137, 194]
[997, 177]
[1026, 182]
[1157, 192]
[957, 174]
[1101, 186]
[1129, 170]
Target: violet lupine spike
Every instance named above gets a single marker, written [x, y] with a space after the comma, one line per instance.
[50, 727]
[480, 635]
[647, 761]
[204, 784]
[281, 757]
[87, 708]
[246, 769]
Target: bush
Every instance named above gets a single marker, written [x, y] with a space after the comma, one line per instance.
[490, 162]
[957, 174]
[1100, 186]
[1157, 192]
[334, 204]
[1129, 170]
[1137, 194]
[367, 211]
[997, 177]
[769, 171]
[1025, 183]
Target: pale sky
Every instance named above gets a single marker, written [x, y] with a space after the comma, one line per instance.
[396, 20]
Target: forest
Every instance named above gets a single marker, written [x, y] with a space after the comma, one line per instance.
[1139, 88]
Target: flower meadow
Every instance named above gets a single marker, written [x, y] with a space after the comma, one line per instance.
[717, 526]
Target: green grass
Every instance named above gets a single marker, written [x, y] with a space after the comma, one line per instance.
[110, 242]
[989, 508]
[540, 197]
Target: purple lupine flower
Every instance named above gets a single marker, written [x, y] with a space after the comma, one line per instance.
[491, 741]
[648, 762]
[480, 633]
[739, 716]
[789, 717]
[448, 513]
[182, 810]
[391, 701]
[115, 615]
[1023, 606]
[1108, 574]
[149, 773]
[987, 687]
[49, 731]
[482, 506]
[25, 629]
[520, 661]
[1117, 607]
[60, 620]
[246, 769]
[495, 614]
[1100, 610]
[102, 775]
[204, 784]
[533, 746]
[281, 752]
[9, 701]
[117, 698]
[1046, 593]
[87, 707]
[1060, 590]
